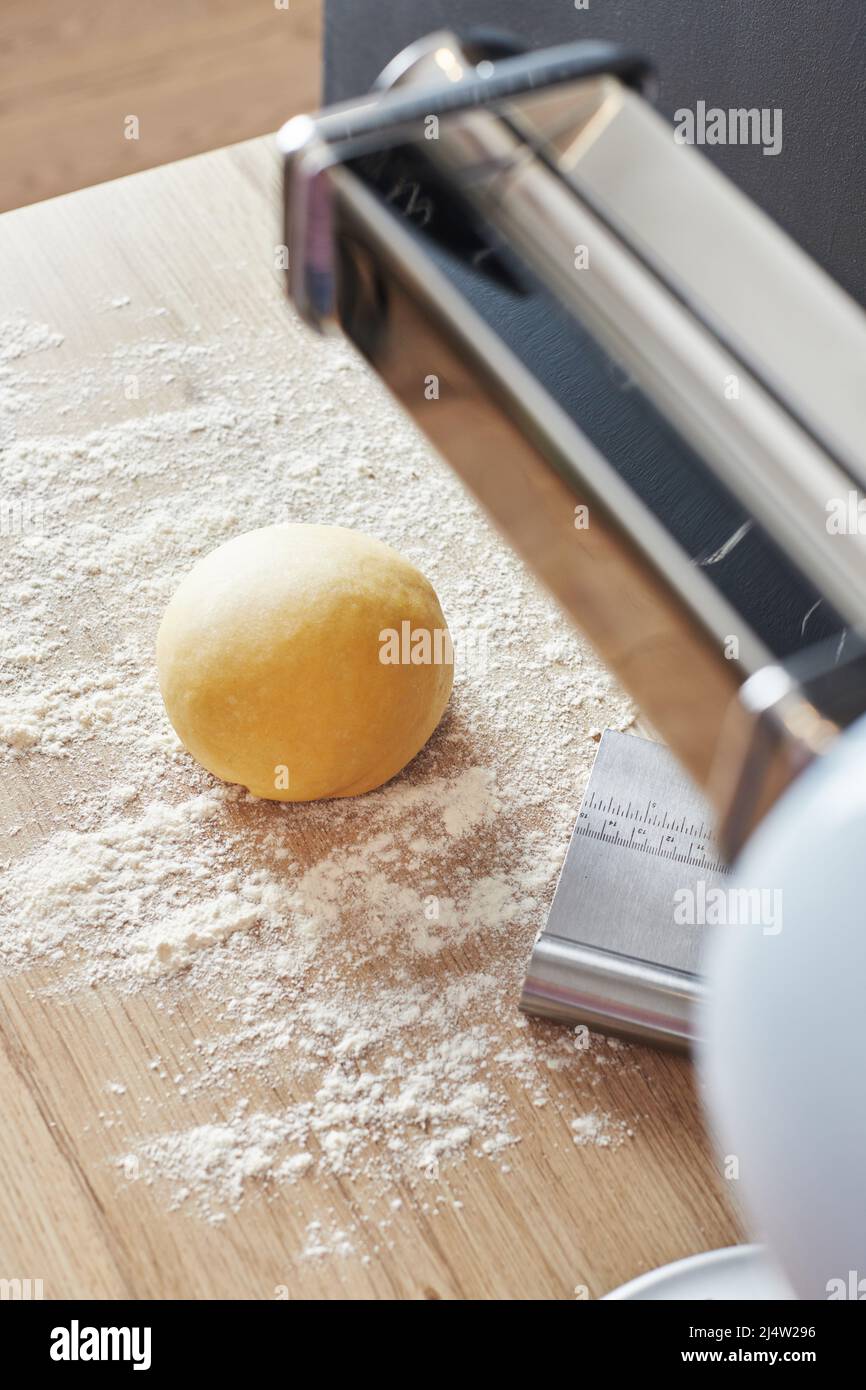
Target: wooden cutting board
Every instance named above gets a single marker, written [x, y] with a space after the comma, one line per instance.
[549, 1218]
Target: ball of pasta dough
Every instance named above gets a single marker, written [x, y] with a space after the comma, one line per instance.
[304, 662]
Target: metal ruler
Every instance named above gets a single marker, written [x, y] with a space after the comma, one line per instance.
[623, 942]
[648, 826]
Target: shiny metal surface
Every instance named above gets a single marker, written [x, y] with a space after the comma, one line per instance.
[669, 313]
[785, 716]
[503, 170]
[572, 983]
[613, 954]
[628, 586]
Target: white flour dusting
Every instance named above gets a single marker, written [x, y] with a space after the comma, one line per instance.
[597, 1129]
[352, 966]
[20, 337]
[321, 1242]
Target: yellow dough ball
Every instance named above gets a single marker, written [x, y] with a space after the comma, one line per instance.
[304, 662]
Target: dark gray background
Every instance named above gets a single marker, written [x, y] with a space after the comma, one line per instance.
[806, 56]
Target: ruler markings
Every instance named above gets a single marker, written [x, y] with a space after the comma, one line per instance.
[663, 846]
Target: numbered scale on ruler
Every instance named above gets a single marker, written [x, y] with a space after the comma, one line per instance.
[651, 827]
[613, 952]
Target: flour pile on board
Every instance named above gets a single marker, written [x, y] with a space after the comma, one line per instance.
[19, 337]
[353, 965]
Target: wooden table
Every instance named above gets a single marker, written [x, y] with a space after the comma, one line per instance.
[194, 79]
[546, 1218]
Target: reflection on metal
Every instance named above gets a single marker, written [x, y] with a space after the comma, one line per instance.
[425, 219]
[613, 954]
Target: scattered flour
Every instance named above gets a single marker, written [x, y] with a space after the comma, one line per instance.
[352, 965]
[19, 338]
[320, 1242]
[599, 1130]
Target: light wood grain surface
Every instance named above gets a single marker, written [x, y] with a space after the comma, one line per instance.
[560, 1218]
[196, 75]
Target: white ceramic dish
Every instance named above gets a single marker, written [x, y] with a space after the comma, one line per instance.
[738, 1271]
